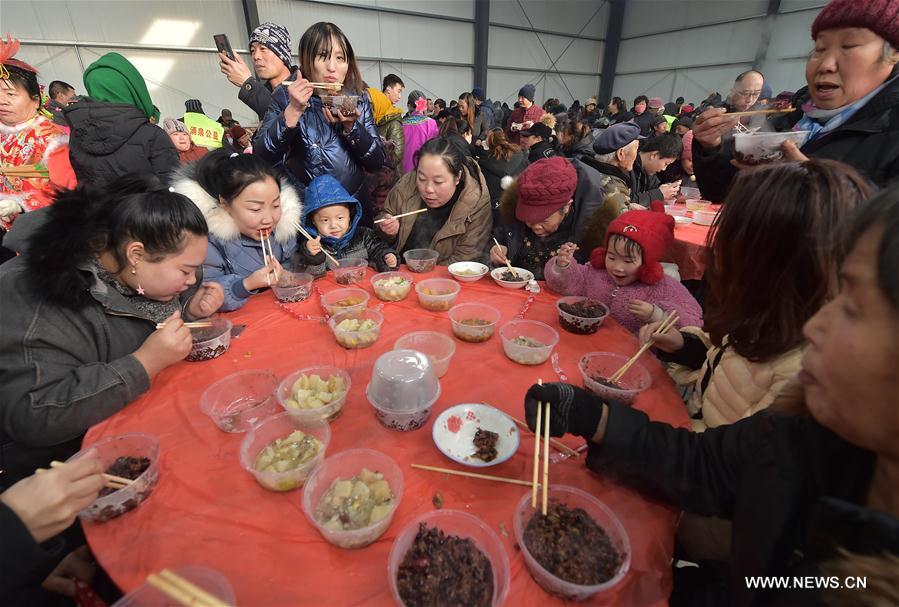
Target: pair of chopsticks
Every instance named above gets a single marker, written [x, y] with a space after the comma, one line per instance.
[299, 228]
[541, 408]
[190, 325]
[111, 480]
[487, 477]
[26, 171]
[669, 322]
[269, 257]
[758, 112]
[334, 86]
[508, 263]
[183, 591]
[401, 215]
[554, 442]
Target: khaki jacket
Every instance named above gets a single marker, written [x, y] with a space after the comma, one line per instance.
[738, 387]
[465, 234]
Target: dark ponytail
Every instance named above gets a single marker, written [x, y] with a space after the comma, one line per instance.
[224, 174]
[454, 151]
[88, 220]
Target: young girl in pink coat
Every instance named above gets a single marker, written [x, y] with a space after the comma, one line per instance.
[626, 274]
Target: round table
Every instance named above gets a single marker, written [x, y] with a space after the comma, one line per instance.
[206, 510]
[689, 248]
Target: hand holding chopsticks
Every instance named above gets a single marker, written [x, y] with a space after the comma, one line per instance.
[308, 236]
[668, 323]
[758, 112]
[113, 481]
[499, 247]
[542, 412]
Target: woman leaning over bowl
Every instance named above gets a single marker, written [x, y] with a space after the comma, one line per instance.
[810, 483]
[450, 185]
[850, 106]
[78, 324]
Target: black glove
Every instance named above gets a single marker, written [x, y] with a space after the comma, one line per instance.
[574, 410]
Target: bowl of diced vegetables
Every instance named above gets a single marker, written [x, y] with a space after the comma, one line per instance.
[314, 393]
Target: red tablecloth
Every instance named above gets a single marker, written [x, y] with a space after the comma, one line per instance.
[689, 249]
[206, 510]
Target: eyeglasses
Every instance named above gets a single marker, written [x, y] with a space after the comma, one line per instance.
[748, 93]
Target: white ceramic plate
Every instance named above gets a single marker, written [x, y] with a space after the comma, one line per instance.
[454, 431]
[462, 266]
[511, 284]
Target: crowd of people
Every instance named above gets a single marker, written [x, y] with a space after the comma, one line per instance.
[118, 225]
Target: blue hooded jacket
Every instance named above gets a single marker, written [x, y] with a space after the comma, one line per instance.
[359, 241]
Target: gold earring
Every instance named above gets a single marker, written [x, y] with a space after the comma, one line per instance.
[134, 269]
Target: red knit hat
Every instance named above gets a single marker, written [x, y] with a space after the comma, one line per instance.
[543, 188]
[879, 16]
[653, 231]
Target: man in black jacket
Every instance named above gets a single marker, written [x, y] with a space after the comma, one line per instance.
[537, 140]
[654, 157]
[270, 51]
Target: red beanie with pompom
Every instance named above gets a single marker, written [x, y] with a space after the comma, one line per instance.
[653, 231]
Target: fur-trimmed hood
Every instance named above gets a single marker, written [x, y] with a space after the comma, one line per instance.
[222, 226]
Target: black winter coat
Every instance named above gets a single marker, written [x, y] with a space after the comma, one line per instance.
[541, 150]
[109, 140]
[582, 149]
[868, 141]
[788, 485]
[257, 95]
[494, 170]
[645, 187]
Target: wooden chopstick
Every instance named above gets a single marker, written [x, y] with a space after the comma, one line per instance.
[265, 261]
[308, 236]
[758, 112]
[669, 322]
[488, 477]
[112, 480]
[545, 460]
[187, 586]
[508, 263]
[554, 442]
[401, 215]
[536, 455]
[190, 325]
[335, 86]
[271, 254]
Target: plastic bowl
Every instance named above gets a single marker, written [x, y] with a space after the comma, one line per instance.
[454, 429]
[345, 103]
[601, 514]
[675, 210]
[421, 260]
[385, 288]
[468, 271]
[210, 342]
[437, 294]
[704, 218]
[463, 525]
[698, 205]
[210, 580]
[474, 333]
[684, 220]
[688, 192]
[268, 431]
[328, 412]
[525, 354]
[344, 465]
[292, 287]
[337, 301]
[237, 402]
[760, 148]
[107, 450]
[439, 348]
[605, 364]
[354, 340]
[350, 271]
[497, 273]
[580, 325]
[403, 389]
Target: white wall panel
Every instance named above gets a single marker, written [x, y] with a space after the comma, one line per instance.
[727, 43]
[451, 8]
[648, 16]
[435, 81]
[692, 84]
[566, 16]
[503, 85]
[791, 35]
[795, 5]
[514, 48]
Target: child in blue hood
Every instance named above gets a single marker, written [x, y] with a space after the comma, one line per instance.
[331, 216]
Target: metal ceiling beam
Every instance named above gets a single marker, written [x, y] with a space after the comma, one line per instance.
[611, 48]
[523, 28]
[250, 16]
[394, 11]
[481, 41]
